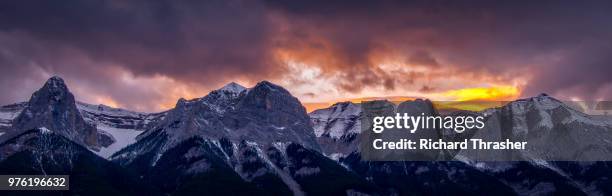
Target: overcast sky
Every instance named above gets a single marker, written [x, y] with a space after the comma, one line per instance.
[144, 55]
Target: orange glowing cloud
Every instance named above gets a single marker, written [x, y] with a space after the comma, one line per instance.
[108, 101]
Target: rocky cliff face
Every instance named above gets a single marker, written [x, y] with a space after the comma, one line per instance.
[337, 128]
[54, 107]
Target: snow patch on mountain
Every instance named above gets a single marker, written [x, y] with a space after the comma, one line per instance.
[7, 116]
[123, 138]
[107, 110]
[8, 113]
[44, 130]
[107, 116]
[233, 87]
[284, 176]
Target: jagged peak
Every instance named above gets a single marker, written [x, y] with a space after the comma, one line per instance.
[56, 78]
[181, 101]
[233, 87]
[269, 85]
[55, 82]
[54, 88]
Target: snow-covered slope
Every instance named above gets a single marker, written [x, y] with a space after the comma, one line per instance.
[107, 116]
[549, 126]
[336, 128]
[122, 125]
[555, 131]
[336, 121]
[8, 113]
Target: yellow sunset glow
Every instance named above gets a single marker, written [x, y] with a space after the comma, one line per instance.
[497, 93]
[474, 99]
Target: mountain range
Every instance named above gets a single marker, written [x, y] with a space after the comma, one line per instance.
[261, 141]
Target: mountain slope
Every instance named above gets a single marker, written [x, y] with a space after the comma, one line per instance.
[337, 128]
[44, 152]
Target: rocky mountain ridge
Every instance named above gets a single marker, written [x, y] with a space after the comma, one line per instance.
[260, 140]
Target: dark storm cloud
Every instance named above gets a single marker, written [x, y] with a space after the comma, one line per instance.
[151, 37]
[564, 45]
[196, 42]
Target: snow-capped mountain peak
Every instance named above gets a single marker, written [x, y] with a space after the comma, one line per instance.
[233, 87]
[55, 88]
[250, 115]
[270, 86]
[56, 82]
